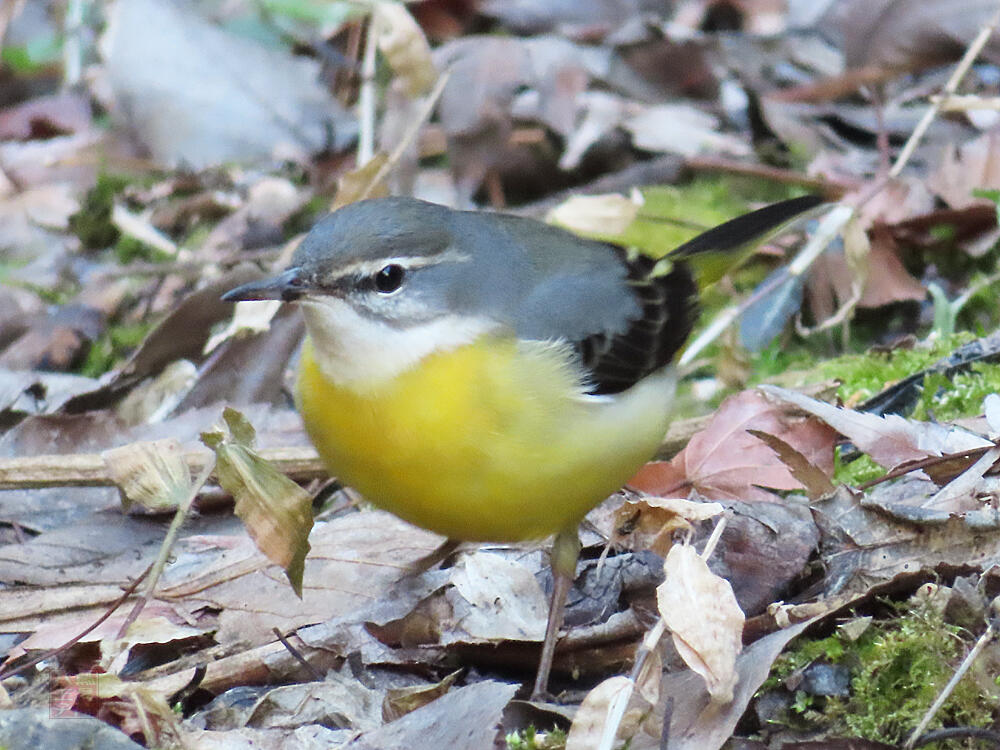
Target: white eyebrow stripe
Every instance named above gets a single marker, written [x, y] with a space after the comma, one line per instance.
[369, 267]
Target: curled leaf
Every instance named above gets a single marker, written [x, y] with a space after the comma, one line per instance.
[704, 619]
[275, 510]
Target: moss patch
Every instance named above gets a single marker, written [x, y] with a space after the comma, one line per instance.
[898, 667]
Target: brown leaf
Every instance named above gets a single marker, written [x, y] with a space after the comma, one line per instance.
[275, 510]
[405, 47]
[889, 281]
[704, 619]
[889, 440]
[815, 481]
[970, 166]
[401, 701]
[650, 522]
[153, 474]
[724, 461]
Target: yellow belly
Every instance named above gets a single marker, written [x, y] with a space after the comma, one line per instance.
[483, 443]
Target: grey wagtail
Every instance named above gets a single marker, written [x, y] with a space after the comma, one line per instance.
[489, 377]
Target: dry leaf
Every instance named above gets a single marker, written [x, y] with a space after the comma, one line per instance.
[970, 166]
[704, 619]
[154, 475]
[405, 47]
[725, 462]
[889, 440]
[650, 522]
[599, 719]
[890, 282]
[276, 512]
[815, 481]
[501, 600]
[595, 214]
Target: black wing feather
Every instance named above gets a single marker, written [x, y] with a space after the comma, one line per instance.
[668, 303]
[668, 300]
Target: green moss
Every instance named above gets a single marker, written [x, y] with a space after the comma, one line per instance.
[856, 472]
[864, 375]
[116, 343]
[962, 395]
[671, 215]
[92, 223]
[531, 739]
[898, 667]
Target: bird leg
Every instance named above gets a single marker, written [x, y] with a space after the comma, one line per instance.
[565, 552]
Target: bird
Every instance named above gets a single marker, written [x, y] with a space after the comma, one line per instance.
[490, 377]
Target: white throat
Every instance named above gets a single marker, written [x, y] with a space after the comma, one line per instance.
[352, 350]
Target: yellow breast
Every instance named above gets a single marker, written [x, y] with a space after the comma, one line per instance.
[488, 442]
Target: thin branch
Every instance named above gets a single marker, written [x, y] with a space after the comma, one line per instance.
[366, 96]
[110, 611]
[89, 470]
[971, 53]
[984, 639]
[168, 544]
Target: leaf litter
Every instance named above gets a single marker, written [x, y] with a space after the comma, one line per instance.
[369, 650]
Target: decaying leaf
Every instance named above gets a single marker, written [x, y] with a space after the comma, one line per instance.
[604, 715]
[704, 619]
[154, 475]
[401, 701]
[276, 511]
[650, 522]
[889, 440]
[595, 214]
[724, 461]
[496, 599]
[405, 47]
[366, 181]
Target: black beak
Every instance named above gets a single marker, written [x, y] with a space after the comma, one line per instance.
[288, 287]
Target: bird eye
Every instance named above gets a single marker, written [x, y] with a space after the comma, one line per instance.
[389, 279]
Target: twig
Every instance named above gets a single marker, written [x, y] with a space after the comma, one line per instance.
[89, 470]
[168, 543]
[296, 654]
[984, 639]
[366, 95]
[410, 135]
[971, 53]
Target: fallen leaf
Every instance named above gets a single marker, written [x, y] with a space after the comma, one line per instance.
[813, 479]
[464, 719]
[600, 718]
[595, 214]
[704, 619]
[650, 522]
[889, 440]
[724, 461]
[277, 512]
[966, 167]
[152, 474]
[405, 47]
[495, 598]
